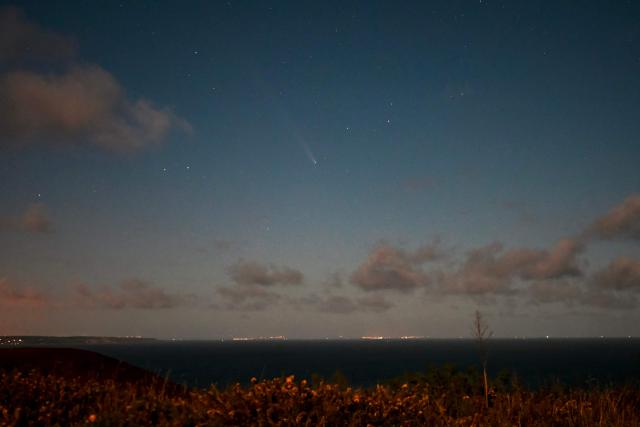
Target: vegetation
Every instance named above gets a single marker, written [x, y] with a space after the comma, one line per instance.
[443, 397]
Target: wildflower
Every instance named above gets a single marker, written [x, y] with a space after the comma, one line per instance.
[92, 418]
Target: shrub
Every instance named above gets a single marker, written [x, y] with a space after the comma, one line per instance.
[438, 398]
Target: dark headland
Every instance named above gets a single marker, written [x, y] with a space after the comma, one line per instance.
[71, 363]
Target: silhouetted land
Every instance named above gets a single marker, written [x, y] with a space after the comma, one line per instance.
[73, 363]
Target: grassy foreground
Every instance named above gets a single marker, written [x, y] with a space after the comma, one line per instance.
[34, 398]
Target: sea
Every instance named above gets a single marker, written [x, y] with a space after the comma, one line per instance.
[535, 362]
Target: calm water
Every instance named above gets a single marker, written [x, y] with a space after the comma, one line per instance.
[535, 361]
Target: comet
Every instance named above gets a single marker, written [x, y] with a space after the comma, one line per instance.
[309, 153]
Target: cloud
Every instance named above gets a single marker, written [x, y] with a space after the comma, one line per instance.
[482, 272]
[223, 245]
[391, 268]
[338, 304]
[252, 281]
[249, 273]
[521, 210]
[621, 222]
[614, 287]
[551, 275]
[77, 104]
[133, 293]
[83, 104]
[14, 296]
[560, 261]
[608, 300]
[22, 41]
[552, 291]
[622, 274]
[331, 304]
[375, 303]
[33, 220]
[334, 280]
[418, 184]
[491, 270]
[248, 298]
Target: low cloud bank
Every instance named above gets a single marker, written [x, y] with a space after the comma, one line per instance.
[553, 275]
[491, 269]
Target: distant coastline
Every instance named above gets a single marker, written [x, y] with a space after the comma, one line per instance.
[79, 340]
[37, 340]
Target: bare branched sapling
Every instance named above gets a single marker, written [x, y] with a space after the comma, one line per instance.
[482, 333]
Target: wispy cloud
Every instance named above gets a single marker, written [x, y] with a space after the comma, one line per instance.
[418, 184]
[14, 296]
[521, 210]
[334, 280]
[133, 293]
[553, 291]
[247, 298]
[330, 304]
[608, 300]
[33, 220]
[374, 303]
[340, 304]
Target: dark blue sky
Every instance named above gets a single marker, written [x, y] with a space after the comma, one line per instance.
[319, 168]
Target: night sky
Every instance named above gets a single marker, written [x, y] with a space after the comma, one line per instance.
[319, 169]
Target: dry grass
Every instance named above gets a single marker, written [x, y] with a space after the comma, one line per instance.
[33, 398]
